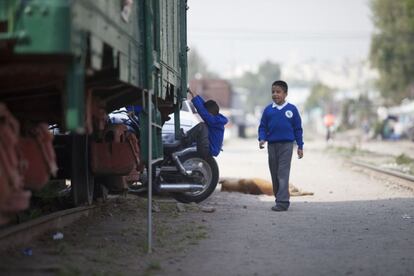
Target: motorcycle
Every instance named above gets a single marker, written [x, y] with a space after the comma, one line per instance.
[183, 172]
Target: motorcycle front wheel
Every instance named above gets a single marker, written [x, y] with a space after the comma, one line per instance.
[207, 172]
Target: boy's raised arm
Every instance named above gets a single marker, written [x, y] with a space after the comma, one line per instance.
[192, 93]
[198, 102]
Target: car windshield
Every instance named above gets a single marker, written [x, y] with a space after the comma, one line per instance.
[188, 106]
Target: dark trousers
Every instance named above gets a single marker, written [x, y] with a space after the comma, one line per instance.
[199, 135]
[280, 157]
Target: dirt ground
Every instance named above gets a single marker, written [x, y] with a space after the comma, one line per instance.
[357, 223]
[355, 139]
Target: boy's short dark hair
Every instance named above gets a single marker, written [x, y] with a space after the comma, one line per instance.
[281, 84]
[212, 107]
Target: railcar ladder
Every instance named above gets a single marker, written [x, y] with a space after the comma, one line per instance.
[151, 125]
[153, 72]
[150, 162]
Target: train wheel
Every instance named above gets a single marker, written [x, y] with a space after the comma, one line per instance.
[82, 180]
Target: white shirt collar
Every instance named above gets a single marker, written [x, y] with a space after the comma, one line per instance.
[279, 106]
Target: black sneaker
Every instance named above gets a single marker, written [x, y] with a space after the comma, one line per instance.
[182, 133]
[183, 138]
[278, 209]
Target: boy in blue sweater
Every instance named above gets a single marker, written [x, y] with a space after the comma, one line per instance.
[208, 135]
[279, 127]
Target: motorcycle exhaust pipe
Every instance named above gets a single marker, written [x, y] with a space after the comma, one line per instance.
[176, 159]
[182, 187]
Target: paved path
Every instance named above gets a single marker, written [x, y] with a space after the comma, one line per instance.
[355, 224]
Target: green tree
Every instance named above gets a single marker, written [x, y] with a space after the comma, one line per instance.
[392, 48]
[357, 113]
[321, 96]
[259, 84]
[197, 66]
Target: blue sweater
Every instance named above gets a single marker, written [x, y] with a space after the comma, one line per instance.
[283, 125]
[215, 125]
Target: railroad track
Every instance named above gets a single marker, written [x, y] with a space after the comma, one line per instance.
[384, 171]
[25, 232]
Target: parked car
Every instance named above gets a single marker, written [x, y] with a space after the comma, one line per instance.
[188, 119]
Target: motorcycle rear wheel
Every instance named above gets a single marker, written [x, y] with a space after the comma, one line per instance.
[207, 169]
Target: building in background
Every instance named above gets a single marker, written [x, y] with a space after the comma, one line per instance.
[214, 89]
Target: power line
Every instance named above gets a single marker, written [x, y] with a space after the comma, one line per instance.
[254, 38]
[265, 35]
[263, 31]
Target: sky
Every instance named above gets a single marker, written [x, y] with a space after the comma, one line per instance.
[232, 35]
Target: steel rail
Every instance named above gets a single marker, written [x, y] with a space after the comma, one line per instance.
[385, 171]
[27, 231]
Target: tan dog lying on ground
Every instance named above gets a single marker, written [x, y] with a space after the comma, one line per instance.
[255, 186]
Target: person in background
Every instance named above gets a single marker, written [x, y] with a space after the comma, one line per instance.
[329, 121]
[209, 134]
[280, 125]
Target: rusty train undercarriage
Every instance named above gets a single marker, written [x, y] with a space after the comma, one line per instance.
[101, 156]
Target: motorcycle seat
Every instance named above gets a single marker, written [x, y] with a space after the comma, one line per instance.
[174, 144]
[172, 147]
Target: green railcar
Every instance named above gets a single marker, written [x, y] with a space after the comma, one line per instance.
[66, 62]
